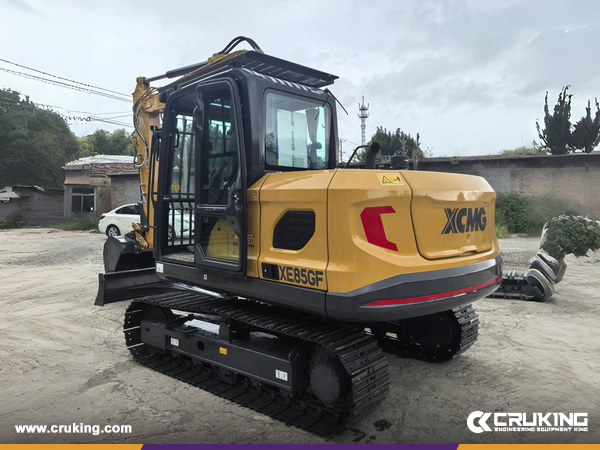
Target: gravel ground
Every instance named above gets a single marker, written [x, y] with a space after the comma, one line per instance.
[64, 361]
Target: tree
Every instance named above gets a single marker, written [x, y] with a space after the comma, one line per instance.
[586, 134]
[524, 150]
[120, 142]
[34, 143]
[397, 143]
[559, 136]
[102, 142]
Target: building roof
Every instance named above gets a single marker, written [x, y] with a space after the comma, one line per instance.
[102, 164]
[110, 168]
[11, 191]
[102, 159]
[7, 193]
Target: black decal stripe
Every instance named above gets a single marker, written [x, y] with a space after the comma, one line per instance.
[417, 293]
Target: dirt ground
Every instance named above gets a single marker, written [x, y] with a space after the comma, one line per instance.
[64, 361]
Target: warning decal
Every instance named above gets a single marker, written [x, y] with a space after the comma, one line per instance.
[387, 179]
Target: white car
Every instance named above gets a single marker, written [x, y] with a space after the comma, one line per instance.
[119, 220]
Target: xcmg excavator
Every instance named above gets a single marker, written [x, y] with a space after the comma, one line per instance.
[263, 272]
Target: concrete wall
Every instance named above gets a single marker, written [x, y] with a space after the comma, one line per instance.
[554, 183]
[125, 189]
[34, 206]
[103, 194]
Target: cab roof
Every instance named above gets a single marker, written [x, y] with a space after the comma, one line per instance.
[257, 62]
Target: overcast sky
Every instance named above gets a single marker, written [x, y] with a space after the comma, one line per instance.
[469, 76]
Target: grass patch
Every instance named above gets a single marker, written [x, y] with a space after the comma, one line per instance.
[515, 213]
[14, 220]
[501, 231]
[89, 224]
[524, 150]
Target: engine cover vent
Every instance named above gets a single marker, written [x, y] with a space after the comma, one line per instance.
[294, 230]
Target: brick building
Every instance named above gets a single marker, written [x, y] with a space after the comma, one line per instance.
[98, 184]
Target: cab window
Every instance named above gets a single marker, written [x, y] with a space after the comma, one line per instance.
[297, 132]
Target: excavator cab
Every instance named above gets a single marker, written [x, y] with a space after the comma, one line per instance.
[219, 137]
[223, 126]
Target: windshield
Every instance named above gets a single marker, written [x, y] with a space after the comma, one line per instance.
[297, 132]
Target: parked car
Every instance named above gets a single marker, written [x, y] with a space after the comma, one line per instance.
[119, 220]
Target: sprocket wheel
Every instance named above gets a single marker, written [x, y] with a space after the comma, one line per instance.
[329, 381]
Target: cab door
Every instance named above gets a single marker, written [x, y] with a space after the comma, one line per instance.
[220, 209]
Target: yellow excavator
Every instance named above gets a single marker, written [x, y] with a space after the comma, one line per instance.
[267, 274]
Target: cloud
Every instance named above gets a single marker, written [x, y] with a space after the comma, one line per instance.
[24, 6]
[475, 67]
[555, 58]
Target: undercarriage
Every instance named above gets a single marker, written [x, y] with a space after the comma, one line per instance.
[307, 371]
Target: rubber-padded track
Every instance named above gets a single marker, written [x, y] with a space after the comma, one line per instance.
[515, 286]
[359, 353]
[463, 320]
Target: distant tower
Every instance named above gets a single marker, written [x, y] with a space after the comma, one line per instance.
[364, 113]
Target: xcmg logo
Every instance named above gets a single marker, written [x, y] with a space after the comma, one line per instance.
[464, 220]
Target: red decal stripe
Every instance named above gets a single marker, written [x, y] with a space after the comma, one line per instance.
[373, 225]
[434, 296]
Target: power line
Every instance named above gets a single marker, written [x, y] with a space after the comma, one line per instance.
[350, 142]
[112, 122]
[128, 113]
[115, 117]
[61, 78]
[65, 85]
[90, 117]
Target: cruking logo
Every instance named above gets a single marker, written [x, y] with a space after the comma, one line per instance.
[479, 422]
[464, 220]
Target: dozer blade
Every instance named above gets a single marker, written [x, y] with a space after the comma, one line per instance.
[129, 273]
[128, 284]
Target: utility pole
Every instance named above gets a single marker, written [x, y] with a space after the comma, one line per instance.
[363, 114]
